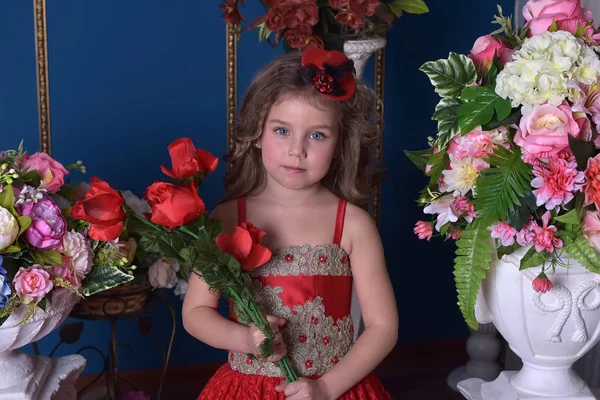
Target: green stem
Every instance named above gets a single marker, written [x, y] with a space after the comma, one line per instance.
[186, 230]
[145, 221]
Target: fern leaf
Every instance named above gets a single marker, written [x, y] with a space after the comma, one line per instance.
[473, 258]
[580, 249]
[502, 189]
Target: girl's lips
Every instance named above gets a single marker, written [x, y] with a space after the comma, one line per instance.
[293, 169]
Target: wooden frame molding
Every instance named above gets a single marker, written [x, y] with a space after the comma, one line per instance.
[43, 91]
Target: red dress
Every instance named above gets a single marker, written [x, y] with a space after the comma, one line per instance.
[311, 288]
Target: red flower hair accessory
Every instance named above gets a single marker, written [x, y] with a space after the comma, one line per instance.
[331, 73]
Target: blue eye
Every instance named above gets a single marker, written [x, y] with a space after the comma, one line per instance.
[281, 131]
[317, 136]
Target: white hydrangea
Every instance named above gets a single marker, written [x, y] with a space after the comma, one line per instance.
[543, 68]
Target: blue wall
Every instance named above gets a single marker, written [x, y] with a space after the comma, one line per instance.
[127, 78]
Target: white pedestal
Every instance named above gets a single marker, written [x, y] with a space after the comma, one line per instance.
[501, 389]
[25, 377]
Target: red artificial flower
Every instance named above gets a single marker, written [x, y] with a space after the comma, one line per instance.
[350, 18]
[173, 206]
[186, 160]
[331, 73]
[301, 38]
[541, 284]
[231, 14]
[103, 209]
[339, 3]
[296, 12]
[366, 7]
[244, 245]
[273, 20]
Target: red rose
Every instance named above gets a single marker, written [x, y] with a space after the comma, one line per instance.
[244, 245]
[366, 7]
[349, 18]
[173, 206]
[186, 160]
[103, 208]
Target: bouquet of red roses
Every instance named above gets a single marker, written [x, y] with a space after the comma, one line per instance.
[178, 228]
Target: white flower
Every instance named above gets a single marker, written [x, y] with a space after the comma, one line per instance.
[163, 273]
[441, 206]
[76, 246]
[542, 69]
[181, 288]
[9, 228]
[462, 175]
[139, 206]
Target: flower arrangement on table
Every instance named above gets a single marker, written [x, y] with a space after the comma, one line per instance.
[177, 228]
[42, 247]
[515, 162]
[303, 24]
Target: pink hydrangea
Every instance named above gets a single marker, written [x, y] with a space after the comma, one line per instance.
[544, 238]
[557, 183]
[423, 230]
[505, 233]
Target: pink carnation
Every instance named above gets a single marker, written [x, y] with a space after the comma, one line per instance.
[544, 238]
[526, 234]
[32, 284]
[454, 232]
[556, 185]
[423, 230]
[65, 272]
[461, 206]
[505, 233]
[475, 144]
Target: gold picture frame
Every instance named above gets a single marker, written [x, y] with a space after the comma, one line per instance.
[43, 89]
[379, 83]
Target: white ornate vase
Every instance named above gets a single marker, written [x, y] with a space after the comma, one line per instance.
[360, 51]
[549, 332]
[25, 377]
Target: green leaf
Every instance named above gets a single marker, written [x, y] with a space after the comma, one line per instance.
[14, 248]
[451, 76]
[446, 116]
[411, 6]
[104, 278]
[24, 223]
[533, 258]
[149, 242]
[7, 198]
[419, 157]
[502, 189]
[513, 118]
[46, 257]
[213, 228]
[438, 162]
[31, 177]
[473, 258]
[580, 249]
[42, 304]
[570, 218]
[480, 109]
[188, 256]
[165, 247]
[504, 250]
[582, 151]
[518, 217]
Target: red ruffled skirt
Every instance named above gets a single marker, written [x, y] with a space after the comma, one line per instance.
[227, 384]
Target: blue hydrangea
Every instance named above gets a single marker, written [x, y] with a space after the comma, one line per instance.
[5, 290]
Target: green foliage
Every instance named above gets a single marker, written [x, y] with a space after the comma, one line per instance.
[577, 246]
[446, 114]
[409, 6]
[479, 108]
[451, 76]
[438, 162]
[502, 189]
[104, 278]
[419, 157]
[533, 258]
[473, 258]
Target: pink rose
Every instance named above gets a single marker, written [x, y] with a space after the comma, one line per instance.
[486, 47]
[51, 171]
[32, 284]
[539, 14]
[591, 229]
[543, 131]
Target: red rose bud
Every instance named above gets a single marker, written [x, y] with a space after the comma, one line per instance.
[541, 284]
[186, 160]
[103, 208]
[244, 245]
[173, 206]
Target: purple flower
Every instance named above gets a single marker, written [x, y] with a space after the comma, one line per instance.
[48, 226]
[5, 290]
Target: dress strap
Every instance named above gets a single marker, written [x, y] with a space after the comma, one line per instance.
[241, 210]
[339, 222]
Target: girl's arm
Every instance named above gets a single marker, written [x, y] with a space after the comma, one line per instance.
[377, 304]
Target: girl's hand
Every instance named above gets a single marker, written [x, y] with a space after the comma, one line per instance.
[304, 389]
[256, 337]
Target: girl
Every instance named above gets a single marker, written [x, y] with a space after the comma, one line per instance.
[297, 167]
